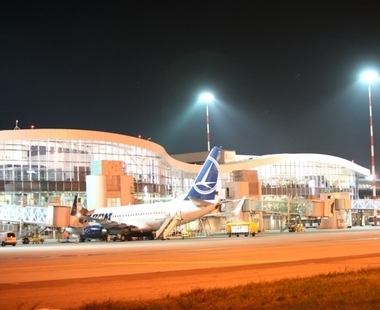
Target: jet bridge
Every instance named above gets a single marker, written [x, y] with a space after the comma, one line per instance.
[35, 216]
[28, 214]
[332, 210]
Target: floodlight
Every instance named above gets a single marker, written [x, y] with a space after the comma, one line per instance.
[369, 76]
[206, 97]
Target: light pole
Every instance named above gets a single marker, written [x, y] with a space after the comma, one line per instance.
[207, 98]
[371, 76]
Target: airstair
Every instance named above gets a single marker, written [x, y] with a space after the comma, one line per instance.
[31, 229]
[168, 225]
[204, 228]
[163, 226]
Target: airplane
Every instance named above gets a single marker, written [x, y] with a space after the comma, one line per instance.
[148, 220]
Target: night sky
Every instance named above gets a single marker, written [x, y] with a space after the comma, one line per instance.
[285, 74]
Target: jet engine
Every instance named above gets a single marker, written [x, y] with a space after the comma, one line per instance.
[94, 232]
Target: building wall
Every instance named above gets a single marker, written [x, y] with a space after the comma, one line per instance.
[44, 166]
[41, 166]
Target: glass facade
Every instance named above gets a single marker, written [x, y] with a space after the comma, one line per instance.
[42, 171]
[43, 166]
[307, 179]
[303, 176]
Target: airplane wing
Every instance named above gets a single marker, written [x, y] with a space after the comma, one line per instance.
[212, 214]
[200, 203]
[118, 225]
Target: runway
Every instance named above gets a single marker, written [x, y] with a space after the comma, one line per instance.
[62, 275]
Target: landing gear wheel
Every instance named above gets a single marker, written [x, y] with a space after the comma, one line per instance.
[129, 237]
[25, 240]
[122, 238]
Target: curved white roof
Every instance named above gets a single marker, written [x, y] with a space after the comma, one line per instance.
[280, 158]
[90, 135]
[254, 162]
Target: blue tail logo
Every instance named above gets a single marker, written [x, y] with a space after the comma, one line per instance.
[205, 183]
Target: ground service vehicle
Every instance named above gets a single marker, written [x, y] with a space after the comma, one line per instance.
[296, 227]
[8, 237]
[242, 228]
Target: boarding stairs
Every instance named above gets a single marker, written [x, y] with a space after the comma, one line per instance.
[168, 225]
[163, 226]
[204, 228]
[30, 229]
[286, 226]
[32, 233]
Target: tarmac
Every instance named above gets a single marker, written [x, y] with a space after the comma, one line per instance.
[49, 239]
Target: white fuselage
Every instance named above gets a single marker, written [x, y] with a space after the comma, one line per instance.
[149, 217]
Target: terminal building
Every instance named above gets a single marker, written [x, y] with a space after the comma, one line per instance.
[41, 167]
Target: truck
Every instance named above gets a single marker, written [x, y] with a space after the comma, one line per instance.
[242, 228]
[8, 237]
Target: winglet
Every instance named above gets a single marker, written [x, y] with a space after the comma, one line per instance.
[239, 208]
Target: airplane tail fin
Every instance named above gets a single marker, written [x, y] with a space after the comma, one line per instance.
[74, 208]
[204, 186]
[78, 211]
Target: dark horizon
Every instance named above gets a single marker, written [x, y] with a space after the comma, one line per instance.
[285, 74]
